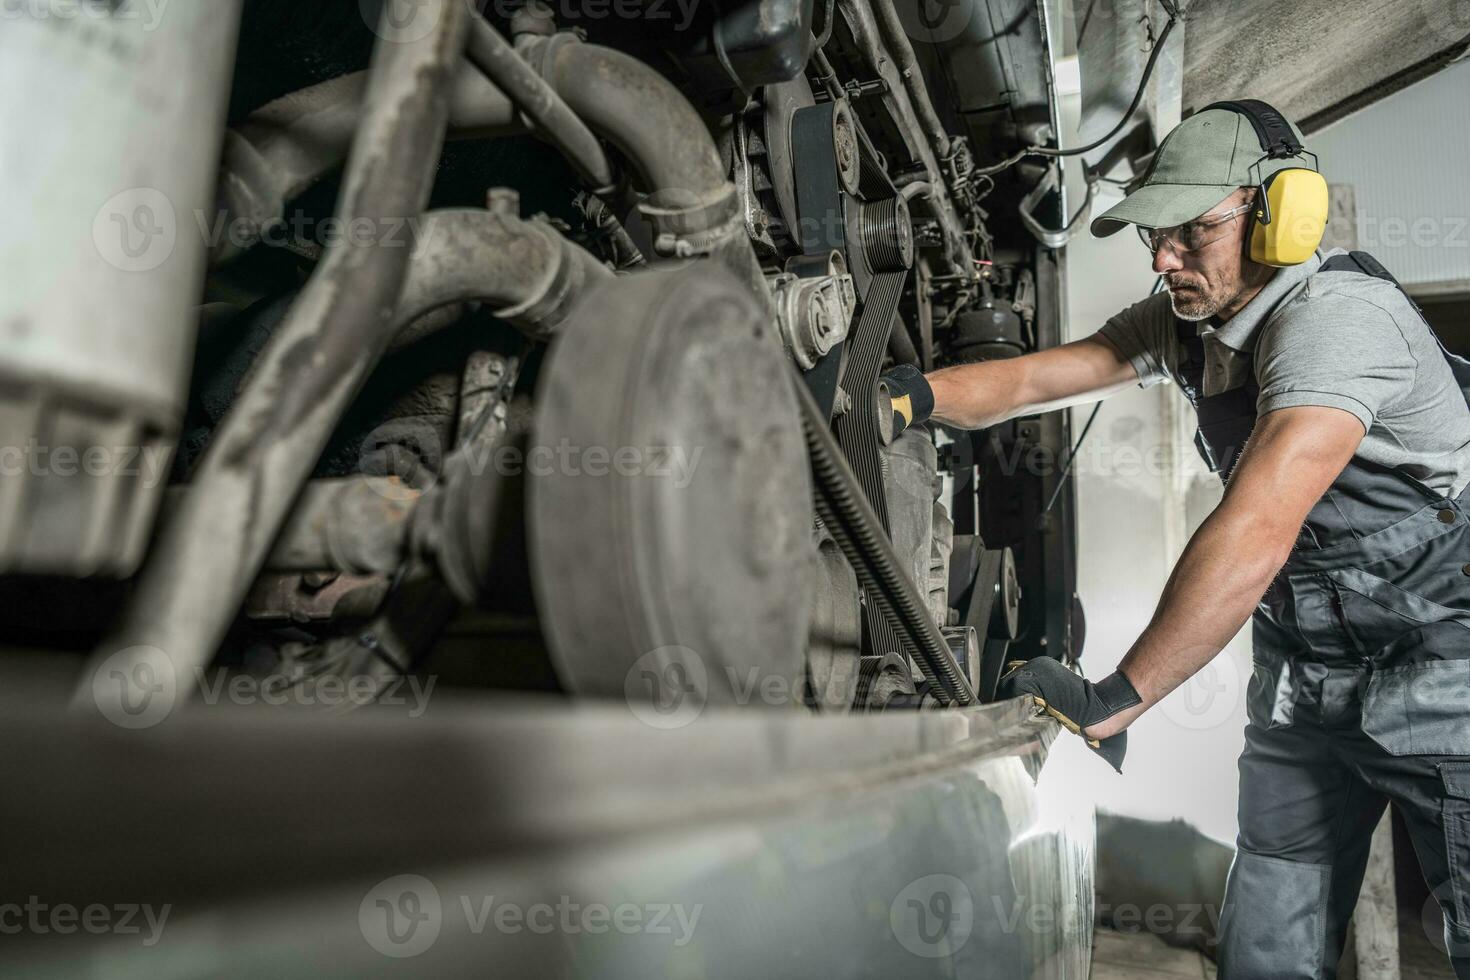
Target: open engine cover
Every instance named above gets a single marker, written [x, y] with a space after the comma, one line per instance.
[677, 375]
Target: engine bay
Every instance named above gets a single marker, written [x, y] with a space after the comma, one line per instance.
[538, 349]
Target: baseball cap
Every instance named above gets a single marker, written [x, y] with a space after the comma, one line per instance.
[1202, 161]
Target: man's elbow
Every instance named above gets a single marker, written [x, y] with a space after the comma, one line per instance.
[1265, 541]
[1273, 556]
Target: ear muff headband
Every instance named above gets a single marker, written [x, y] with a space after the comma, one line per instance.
[1292, 203]
[1278, 142]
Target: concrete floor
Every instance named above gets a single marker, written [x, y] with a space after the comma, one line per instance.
[1144, 956]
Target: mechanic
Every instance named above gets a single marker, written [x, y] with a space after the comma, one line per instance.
[1342, 429]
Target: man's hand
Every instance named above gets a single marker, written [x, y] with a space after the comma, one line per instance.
[1074, 701]
[909, 396]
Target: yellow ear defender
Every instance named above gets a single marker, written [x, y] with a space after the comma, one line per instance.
[1291, 205]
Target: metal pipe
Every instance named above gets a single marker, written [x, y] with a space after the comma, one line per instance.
[1054, 237]
[645, 116]
[285, 147]
[917, 188]
[213, 546]
[912, 74]
[526, 271]
[827, 75]
[549, 115]
[356, 524]
[692, 204]
[869, 39]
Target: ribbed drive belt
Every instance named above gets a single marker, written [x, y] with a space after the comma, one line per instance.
[857, 429]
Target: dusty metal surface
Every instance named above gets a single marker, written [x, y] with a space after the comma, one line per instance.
[678, 556]
[770, 844]
[212, 547]
[526, 272]
[1317, 60]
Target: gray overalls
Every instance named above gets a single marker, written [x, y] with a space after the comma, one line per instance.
[1360, 696]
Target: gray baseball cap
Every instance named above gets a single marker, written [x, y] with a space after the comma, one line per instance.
[1202, 161]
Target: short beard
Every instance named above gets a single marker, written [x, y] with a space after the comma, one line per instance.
[1193, 311]
[1201, 306]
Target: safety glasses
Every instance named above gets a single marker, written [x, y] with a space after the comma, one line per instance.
[1192, 235]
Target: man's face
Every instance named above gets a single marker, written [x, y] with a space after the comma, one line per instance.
[1213, 278]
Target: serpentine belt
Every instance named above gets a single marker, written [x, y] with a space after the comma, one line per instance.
[845, 511]
[832, 217]
[857, 429]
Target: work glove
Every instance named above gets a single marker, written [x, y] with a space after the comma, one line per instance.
[909, 394]
[1073, 700]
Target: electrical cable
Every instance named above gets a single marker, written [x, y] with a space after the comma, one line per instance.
[1049, 151]
[1148, 70]
[1071, 458]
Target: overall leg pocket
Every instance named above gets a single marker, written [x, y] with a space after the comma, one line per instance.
[1420, 708]
[1380, 613]
[1272, 694]
[1273, 924]
[1456, 814]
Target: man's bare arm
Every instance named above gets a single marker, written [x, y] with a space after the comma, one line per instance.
[1293, 456]
[972, 396]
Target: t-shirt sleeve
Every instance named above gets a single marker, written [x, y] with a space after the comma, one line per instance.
[1141, 333]
[1335, 352]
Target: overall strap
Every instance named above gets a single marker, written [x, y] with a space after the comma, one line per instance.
[1192, 361]
[1225, 419]
[1368, 265]
[1459, 367]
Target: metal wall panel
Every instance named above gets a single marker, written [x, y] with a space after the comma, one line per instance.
[1408, 158]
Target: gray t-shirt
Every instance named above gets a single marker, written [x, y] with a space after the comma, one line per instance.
[1339, 340]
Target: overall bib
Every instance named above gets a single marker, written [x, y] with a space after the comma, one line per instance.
[1360, 696]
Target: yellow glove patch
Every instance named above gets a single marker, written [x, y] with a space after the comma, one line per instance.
[905, 406]
[1066, 722]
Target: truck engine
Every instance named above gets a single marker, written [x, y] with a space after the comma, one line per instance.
[536, 348]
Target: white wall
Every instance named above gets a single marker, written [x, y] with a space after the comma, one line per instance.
[1141, 491]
